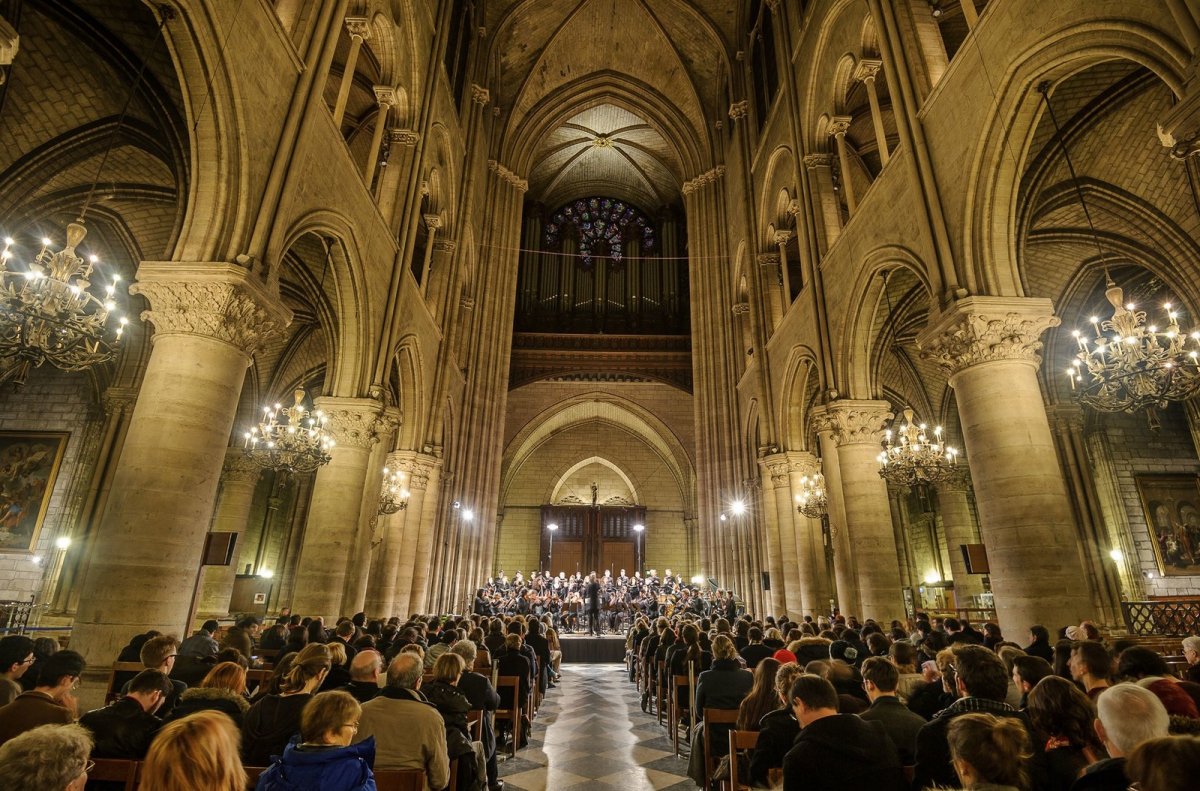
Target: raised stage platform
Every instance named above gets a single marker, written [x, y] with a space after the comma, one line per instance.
[580, 648]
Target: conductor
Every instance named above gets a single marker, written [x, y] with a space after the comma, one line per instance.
[591, 604]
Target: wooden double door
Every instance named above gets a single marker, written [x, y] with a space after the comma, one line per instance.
[592, 538]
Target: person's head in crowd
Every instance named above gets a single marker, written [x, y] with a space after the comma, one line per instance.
[309, 669]
[232, 655]
[785, 676]
[754, 634]
[16, 655]
[210, 626]
[46, 758]
[1008, 655]
[414, 648]
[1057, 709]
[979, 673]
[337, 653]
[1191, 650]
[226, 675]
[150, 688]
[904, 655]
[1090, 662]
[345, 630]
[1126, 716]
[448, 668]
[59, 673]
[199, 751]
[1176, 700]
[1062, 657]
[1028, 670]
[467, 650]
[992, 631]
[878, 644]
[330, 718]
[159, 653]
[316, 631]
[987, 750]
[366, 666]
[405, 671]
[1138, 662]
[723, 648]
[880, 677]
[250, 624]
[512, 642]
[761, 698]
[1168, 763]
[812, 698]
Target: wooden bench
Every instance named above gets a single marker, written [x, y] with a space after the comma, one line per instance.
[513, 715]
[739, 741]
[714, 717]
[113, 770]
[676, 717]
[115, 681]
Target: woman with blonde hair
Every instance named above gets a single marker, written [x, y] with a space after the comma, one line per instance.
[271, 722]
[989, 752]
[223, 689]
[338, 676]
[199, 751]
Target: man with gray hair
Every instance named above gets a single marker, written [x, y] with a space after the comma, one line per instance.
[1191, 652]
[409, 732]
[483, 697]
[364, 675]
[1127, 715]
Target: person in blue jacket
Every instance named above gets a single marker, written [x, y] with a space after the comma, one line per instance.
[321, 758]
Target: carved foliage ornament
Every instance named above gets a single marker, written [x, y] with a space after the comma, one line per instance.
[225, 311]
[703, 180]
[417, 467]
[506, 175]
[977, 337]
[351, 422]
[854, 422]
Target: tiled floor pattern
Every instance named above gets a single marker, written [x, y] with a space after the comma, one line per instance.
[591, 735]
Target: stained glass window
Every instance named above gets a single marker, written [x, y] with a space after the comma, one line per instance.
[601, 223]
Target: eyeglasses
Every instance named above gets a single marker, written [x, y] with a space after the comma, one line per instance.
[28, 661]
[353, 725]
[88, 767]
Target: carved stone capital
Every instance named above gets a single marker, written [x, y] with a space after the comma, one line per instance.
[793, 207]
[467, 303]
[433, 221]
[768, 259]
[783, 237]
[351, 421]
[854, 422]
[444, 246]
[739, 110]
[839, 125]
[417, 467]
[480, 95]
[358, 27]
[385, 95]
[404, 137]
[776, 468]
[814, 161]
[10, 42]
[1068, 418]
[867, 69]
[703, 180]
[239, 468]
[803, 462]
[977, 330]
[506, 175]
[388, 422]
[214, 300]
[118, 400]
[741, 308]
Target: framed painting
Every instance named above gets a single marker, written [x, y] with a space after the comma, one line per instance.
[29, 462]
[1172, 507]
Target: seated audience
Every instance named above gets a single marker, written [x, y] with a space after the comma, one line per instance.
[322, 757]
[409, 733]
[511, 662]
[51, 702]
[16, 657]
[1191, 652]
[364, 675]
[989, 752]
[1027, 671]
[850, 752]
[1090, 665]
[1126, 716]
[1064, 740]
[762, 698]
[938, 689]
[339, 674]
[223, 689]
[158, 653]
[271, 722]
[196, 753]
[125, 728]
[453, 705]
[880, 678]
[777, 730]
[343, 635]
[276, 637]
[1171, 763]
[43, 648]
[723, 686]
[483, 697]
[132, 652]
[982, 685]
[201, 644]
[755, 651]
[1150, 670]
[47, 758]
[241, 635]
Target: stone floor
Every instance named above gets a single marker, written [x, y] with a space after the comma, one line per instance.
[591, 734]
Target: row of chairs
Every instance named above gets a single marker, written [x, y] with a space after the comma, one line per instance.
[129, 772]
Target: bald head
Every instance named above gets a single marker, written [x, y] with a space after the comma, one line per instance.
[405, 671]
[366, 666]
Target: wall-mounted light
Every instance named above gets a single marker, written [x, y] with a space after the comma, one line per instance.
[468, 515]
[932, 577]
[266, 573]
[1116, 555]
[62, 542]
[738, 507]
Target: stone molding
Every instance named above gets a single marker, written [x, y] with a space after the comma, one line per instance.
[854, 422]
[404, 137]
[803, 462]
[416, 466]
[703, 180]
[358, 27]
[741, 308]
[867, 69]
[480, 95]
[351, 422]
[739, 110]
[385, 95]
[117, 400]
[217, 300]
[444, 246]
[977, 330]
[814, 161]
[768, 259]
[783, 237]
[839, 125]
[432, 221]
[777, 467]
[467, 303]
[506, 175]
[238, 468]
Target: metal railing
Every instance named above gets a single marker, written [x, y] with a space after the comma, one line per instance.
[1175, 618]
[14, 616]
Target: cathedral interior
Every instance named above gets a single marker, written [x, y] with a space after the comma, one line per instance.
[383, 288]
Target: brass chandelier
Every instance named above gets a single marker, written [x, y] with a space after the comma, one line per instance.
[49, 313]
[299, 443]
[813, 501]
[910, 457]
[393, 494]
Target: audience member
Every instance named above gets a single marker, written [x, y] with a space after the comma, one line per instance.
[51, 702]
[201, 644]
[323, 757]
[1090, 665]
[723, 686]
[755, 651]
[989, 752]
[483, 698]
[880, 678]
[47, 758]
[271, 722]
[1150, 670]
[339, 673]
[158, 653]
[777, 730]
[1170, 763]
[364, 675]
[196, 753]
[223, 689]
[851, 752]
[1191, 652]
[344, 635]
[453, 705]
[16, 657]
[125, 728]
[1027, 671]
[1064, 740]
[762, 698]
[409, 733]
[43, 649]
[241, 635]
[1126, 716]
[1039, 643]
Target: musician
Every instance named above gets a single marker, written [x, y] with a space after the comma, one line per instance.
[481, 606]
[591, 604]
[622, 580]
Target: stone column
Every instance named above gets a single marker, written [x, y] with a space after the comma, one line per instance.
[959, 527]
[422, 534]
[9, 44]
[768, 269]
[359, 30]
[433, 224]
[838, 127]
[845, 579]
[209, 320]
[820, 176]
[386, 96]
[390, 594]
[359, 569]
[868, 70]
[238, 481]
[336, 504]
[775, 520]
[806, 541]
[989, 346]
[781, 240]
[857, 428]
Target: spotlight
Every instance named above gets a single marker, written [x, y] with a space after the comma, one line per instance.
[738, 507]
[468, 515]
[62, 542]
[1116, 555]
[266, 574]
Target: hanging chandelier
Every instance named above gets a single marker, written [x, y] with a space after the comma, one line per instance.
[300, 443]
[393, 495]
[912, 458]
[49, 313]
[812, 501]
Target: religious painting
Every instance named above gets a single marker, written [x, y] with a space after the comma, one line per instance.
[1172, 507]
[29, 463]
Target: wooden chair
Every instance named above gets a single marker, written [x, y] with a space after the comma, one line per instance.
[252, 773]
[257, 678]
[676, 717]
[400, 779]
[115, 770]
[475, 723]
[742, 740]
[660, 676]
[714, 717]
[117, 677]
[513, 715]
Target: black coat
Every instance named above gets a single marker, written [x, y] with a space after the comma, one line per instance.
[362, 690]
[122, 730]
[269, 725]
[777, 732]
[902, 725]
[933, 751]
[755, 653]
[843, 752]
[482, 696]
[511, 663]
[1106, 775]
[591, 597]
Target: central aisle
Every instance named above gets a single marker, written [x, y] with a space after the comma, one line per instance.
[591, 734]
